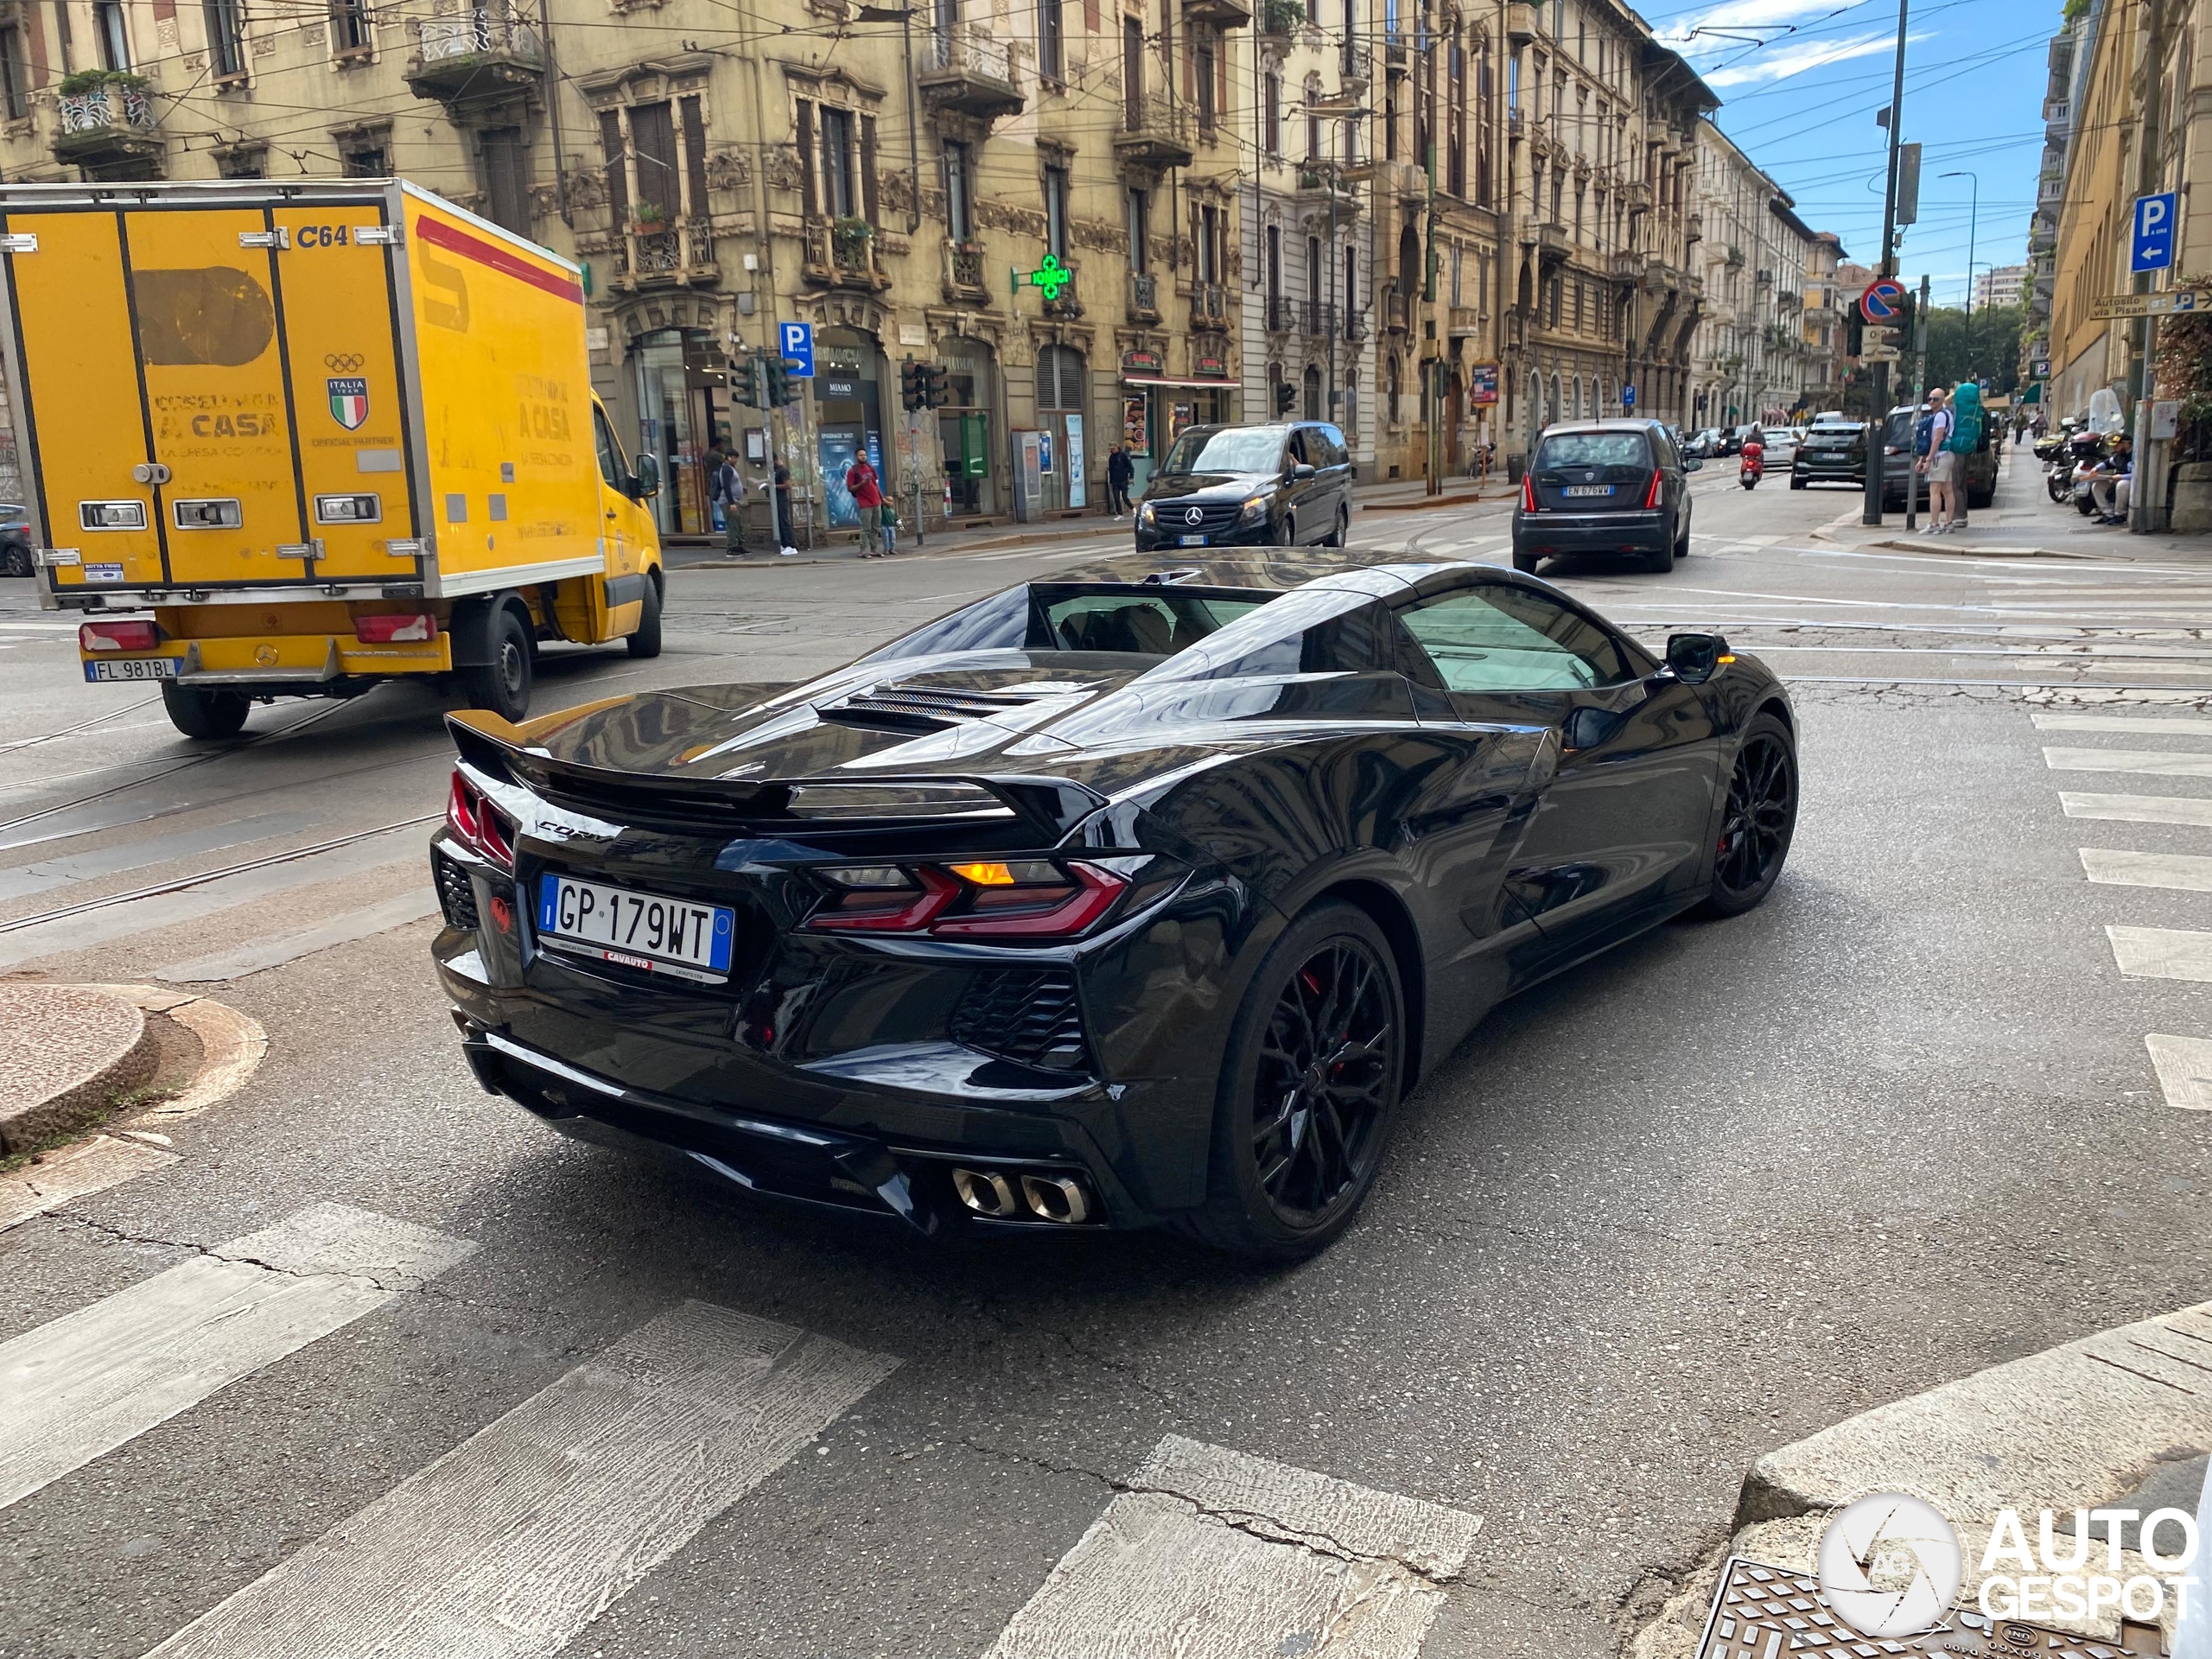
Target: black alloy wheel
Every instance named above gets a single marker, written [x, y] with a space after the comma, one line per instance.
[15, 559]
[1310, 1090]
[1758, 821]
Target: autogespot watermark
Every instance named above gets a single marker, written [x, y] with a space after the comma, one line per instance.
[1891, 1566]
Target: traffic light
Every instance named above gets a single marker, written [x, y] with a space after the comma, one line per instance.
[913, 385]
[1286, 395]
[934, 393]
[780, 391]
[745, 384]
[1854, 333]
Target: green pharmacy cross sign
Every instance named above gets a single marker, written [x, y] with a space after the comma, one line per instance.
[1051, 277]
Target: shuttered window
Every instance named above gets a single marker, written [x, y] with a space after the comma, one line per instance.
[507, 178]
[652, 142]
[809, 199]
[868, 167]
[617, 178]
[1059, 378]
[695, 157]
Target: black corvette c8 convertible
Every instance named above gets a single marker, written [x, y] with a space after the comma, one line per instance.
[1141, 893]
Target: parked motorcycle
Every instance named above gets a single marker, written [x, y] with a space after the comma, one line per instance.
[1754, 466]
[2064, 481]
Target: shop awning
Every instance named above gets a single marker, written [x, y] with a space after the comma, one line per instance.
[1179, 385]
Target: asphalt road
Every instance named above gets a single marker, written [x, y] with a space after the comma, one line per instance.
[1733, 1183]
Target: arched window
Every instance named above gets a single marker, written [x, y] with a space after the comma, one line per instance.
[1410, 269]
[1314, 411]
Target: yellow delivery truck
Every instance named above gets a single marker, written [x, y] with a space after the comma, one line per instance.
[294, 440]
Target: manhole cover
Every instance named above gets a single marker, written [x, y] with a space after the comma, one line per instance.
[1769, 1612]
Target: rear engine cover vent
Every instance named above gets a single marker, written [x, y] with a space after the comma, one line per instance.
[929, 708]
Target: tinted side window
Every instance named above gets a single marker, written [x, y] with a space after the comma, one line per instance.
[1497, 638]
[610, 455]
[1335, 441]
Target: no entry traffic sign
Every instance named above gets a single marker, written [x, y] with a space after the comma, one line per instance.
[1883, 301]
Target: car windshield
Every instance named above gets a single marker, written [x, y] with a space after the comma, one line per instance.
[1594, 449]
[1157, 625]
[1227, 449]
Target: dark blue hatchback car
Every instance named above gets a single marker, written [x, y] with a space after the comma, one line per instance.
[1607, 488]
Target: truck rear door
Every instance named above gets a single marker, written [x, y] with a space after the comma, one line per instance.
[260, 408]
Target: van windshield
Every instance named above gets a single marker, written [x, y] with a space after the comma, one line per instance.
[1227, 449]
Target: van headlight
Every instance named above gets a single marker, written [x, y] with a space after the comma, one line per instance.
[1144, 514]
[1255, 510]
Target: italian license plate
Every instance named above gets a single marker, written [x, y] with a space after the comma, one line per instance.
[637, 930]
[1589, 489]
[1191, 541]
[131, 668]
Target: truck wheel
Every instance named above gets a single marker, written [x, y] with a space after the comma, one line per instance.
[198, 713]
[645, 642]
[502, 685]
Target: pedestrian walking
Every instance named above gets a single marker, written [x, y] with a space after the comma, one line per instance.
[1968, 418]
[728, 485]
[868, 496]
[1121, 471]
[780, 483]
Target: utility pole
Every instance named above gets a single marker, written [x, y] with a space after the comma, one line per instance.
[1433, 367]
[1919, 396]
[2146, 502]
[1885, 267]
[1973, 219]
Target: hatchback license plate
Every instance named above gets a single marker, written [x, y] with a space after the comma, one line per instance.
[131, 668]
[638, 930]
[1589, 489]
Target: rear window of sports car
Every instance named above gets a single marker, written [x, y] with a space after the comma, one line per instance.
[1147, 622]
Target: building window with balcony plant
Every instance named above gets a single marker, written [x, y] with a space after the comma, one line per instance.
[15, 97]
[1204, 58]
[114, 34]
[837, 159]
[1213, 231]
[225, 38]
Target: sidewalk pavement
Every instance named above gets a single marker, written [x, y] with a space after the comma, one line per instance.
[69, 1052]
[2024, 523]
[1393, 496]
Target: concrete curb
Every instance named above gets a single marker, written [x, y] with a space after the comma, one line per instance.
[76, 1047]
[2079, 1426]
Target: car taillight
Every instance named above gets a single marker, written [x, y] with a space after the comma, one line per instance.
[481, 826]
[1529, 493]
[988, 898]
[395, 628]
[1651, 495]
[119, 636]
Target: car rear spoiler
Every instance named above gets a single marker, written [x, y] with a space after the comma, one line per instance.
[1052, 806]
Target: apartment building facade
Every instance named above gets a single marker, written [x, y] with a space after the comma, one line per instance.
[1752, 358]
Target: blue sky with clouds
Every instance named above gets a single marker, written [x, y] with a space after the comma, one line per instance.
[1800, 80]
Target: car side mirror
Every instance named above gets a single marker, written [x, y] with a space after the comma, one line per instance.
[1692, 464]
[1302, 471]
[646, 477]
[1693, 658]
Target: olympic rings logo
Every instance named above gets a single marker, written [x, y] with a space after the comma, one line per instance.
[342, 360]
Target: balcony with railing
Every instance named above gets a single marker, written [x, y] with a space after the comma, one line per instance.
[964, 281]
[1320, 318]
[109, 130]
[1627, 267]
[1280, 313]
[1209, 305]
[484, 53]
[1321, 189]
[1155, 131]
[1355, 326]
[676, 253]
[1144, 297]
[1462, 319]
[1548, 237]
[1520, 22]
[968, 73]
[840, 253]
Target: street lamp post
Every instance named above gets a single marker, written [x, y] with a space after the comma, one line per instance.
[1974, 217]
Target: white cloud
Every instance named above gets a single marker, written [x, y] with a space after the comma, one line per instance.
[1780, 62]
[1739, 16]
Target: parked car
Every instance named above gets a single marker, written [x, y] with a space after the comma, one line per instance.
[997, 930]
[1225, 485]
[1835, 460]
[1701, 444]
[1605, 488]
[15, 539]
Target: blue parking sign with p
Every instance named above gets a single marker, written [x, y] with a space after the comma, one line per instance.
[2151, 245]
[798, 348]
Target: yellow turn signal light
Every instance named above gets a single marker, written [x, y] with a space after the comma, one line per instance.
[983, 874]
[1729, 657]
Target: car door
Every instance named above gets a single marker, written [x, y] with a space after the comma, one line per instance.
[1618, 837]
[1338, 472]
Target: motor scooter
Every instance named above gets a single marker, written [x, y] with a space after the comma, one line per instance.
[1754, 466]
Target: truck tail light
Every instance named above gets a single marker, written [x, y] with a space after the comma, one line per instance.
[119, 636]
[481, 827]
[976, 899]
[396, 628]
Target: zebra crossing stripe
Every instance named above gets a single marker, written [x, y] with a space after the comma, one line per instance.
[519, 1537]
[2138, 808]
[82, 1385]
[2184, 1069]
[2112, 867]
[2185, 725]
[2162, 953]
[1211, 1554]
[2157, 763]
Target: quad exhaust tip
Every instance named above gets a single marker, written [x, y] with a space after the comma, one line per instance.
[1061, 1199]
